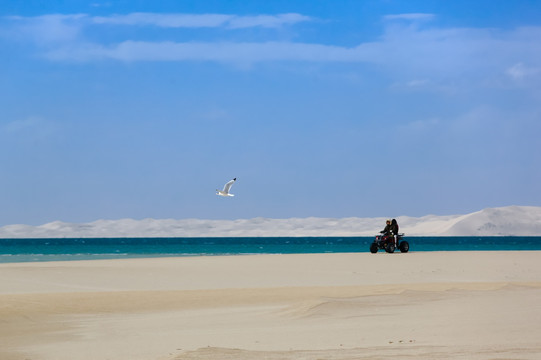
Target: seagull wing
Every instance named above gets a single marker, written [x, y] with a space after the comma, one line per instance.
[228, 185]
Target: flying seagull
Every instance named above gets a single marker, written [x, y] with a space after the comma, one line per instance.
[225, 191]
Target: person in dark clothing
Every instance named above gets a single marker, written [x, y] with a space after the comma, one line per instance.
[391, 230]
[387, 229]
[394, 231]
[394, 227]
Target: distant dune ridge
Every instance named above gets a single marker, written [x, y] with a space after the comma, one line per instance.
[502, 221]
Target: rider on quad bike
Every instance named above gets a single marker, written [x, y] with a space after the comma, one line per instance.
[390, 240]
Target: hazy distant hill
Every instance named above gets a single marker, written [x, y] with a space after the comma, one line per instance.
[504, 221]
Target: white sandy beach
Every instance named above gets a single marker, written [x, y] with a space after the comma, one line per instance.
[431, 305]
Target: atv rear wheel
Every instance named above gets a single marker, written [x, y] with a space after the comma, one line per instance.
[404, 246]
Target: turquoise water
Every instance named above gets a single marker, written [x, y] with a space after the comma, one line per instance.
[28, 250]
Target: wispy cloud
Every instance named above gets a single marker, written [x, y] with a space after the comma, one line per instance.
[409, 53]
[165, 20]
[410, 17]
[267, 21]
[420, 58]
[54, 28]
[30, 128]
[46, 29]
[202, 20]
[101, 5]
[520, 71]
[219, 52]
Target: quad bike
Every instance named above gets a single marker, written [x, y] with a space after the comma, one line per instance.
[386, 242]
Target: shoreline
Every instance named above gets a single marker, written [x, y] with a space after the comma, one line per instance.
[115, 257]
[128, 257]
[335, 306]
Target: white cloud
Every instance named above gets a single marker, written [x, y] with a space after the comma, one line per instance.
[29, 128]
[415, 57]
[415, 84]
[48, 29]
[23, 125]
[410, 17]
[172, 20]
[202, 20]
[268, 21]
[428, 56]
[99, 5]
[165, 20]
[54, 29]
[219, 52]
[520, 71]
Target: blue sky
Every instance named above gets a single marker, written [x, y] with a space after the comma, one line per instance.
[136, 109]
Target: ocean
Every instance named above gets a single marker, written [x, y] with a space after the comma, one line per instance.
[65, 249]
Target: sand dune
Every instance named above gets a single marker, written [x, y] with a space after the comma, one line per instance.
[505, 221]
